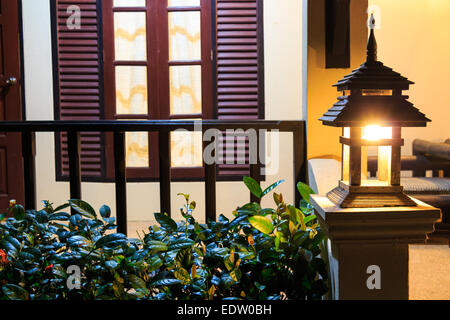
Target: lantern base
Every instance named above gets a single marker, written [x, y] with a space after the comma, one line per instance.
[388, 197]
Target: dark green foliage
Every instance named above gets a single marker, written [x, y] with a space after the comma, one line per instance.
[262, 253]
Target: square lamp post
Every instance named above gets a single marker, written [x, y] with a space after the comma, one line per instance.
[370, 222]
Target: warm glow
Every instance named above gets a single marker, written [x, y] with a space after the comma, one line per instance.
[346, 132]
[374, 133]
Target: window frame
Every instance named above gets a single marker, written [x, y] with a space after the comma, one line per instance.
[106, 174]
[158, 83]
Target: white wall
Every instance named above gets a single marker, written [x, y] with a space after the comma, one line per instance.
[283, 39]
[283, 61]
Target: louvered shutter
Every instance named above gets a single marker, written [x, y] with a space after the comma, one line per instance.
[78, 83]
[240, 78]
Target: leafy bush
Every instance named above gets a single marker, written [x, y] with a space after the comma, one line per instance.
[263, 253]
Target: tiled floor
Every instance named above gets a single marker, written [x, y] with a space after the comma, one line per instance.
[429, 276]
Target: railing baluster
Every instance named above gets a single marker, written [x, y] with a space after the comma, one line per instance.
[299, 145]
[74, 153]
[210, 186]
[120, 181]
[29, 168]
[255, 168]
[164, 170]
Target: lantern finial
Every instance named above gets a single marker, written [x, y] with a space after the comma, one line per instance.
[372, 43]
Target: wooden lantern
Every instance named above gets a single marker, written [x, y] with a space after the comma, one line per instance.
[372, 110]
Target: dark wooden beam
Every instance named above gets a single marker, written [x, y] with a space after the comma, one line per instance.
[355, 158]
[337, 33]
[396, 158]
[210, 186]
[29, 168]
[74, 150]
[164, 170]
[121, 181]
[299, 159]
[255, 168]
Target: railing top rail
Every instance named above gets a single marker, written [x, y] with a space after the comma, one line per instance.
[147, 125]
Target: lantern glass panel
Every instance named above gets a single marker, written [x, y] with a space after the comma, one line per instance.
[374, 133]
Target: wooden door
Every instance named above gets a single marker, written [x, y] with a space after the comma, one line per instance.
[11, 172]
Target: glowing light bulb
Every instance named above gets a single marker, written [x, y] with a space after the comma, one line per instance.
[374, 133]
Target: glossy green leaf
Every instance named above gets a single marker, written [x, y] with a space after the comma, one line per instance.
[253, 186]
[136, 282]
[226, 281]
[14, 242]
[228, 263]
[262, 224]
[305, 191]
[181, 243]
[182, 275]
[18, 212]
[59, 216]
[157, 246]
[299, 237]
[62, 207]
[83, 208]
[77, 241]
[166, 222]
[184, 258]
[293, 216]
[272, 187]
[236, 275]
[165, 282]
[105, 212]
[14, 292]
[310, 218]
[237, 221]
[154, 263]
[111, 240]
[112, 264]
[278, 198]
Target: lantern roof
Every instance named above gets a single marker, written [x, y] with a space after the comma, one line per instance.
[373, 74]
[359, 110]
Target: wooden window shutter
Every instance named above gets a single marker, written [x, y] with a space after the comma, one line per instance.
[78, 83]
[240, 69]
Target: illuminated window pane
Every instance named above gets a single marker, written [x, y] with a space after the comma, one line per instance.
[183, 3]
[185, 90]
[186, 149]
[131, 90]
[184, 36]
[137, 149]
[129, 3]
[130, 36]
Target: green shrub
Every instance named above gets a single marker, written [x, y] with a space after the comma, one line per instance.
[263, 253]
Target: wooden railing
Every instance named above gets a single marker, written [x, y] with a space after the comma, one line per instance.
[28, 130]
